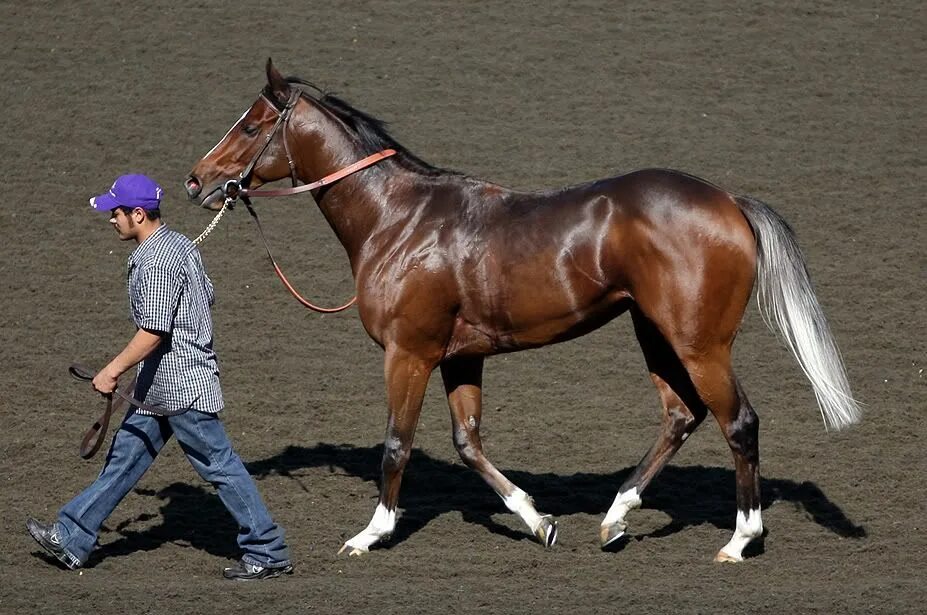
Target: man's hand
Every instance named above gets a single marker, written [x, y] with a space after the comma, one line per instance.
[140, 346]
[105, 382]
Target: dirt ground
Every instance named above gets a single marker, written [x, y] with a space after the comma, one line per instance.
[818, 111]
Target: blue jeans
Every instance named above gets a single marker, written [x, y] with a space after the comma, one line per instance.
[203, 439]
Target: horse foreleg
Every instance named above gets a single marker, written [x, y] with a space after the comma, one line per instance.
[406, 381]
[463, 384]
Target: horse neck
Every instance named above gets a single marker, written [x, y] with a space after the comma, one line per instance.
[354, 205]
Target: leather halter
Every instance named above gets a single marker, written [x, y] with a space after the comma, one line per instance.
[235, 189]
[283, 115]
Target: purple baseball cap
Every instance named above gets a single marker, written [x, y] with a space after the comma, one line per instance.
[129, 191]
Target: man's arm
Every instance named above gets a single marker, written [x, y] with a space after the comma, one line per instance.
[140, 346]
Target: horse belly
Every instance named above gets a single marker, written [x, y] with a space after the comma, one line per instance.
[518, 296]
[566, 323]
[518, 328]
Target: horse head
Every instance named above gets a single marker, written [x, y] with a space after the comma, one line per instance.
[253, 151]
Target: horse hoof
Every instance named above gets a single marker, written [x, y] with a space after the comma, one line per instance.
[355, 551]
[724, 557]
[546, 532]
[612, 536]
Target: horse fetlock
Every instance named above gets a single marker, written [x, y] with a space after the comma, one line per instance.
[614, 523]
[379, 529]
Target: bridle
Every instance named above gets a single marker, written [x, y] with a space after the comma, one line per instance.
[235, 189]
[238, 188]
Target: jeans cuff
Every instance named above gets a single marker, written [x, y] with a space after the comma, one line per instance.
[248, 559]
[64, 539]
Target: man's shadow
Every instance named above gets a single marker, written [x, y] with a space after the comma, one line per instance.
[190, 516]
[691, 495]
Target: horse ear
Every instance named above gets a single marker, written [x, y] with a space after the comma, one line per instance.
[278, 85]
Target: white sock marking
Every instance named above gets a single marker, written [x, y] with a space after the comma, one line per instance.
[623, 504]
[748, 528]
[520, 503]
[382, 524]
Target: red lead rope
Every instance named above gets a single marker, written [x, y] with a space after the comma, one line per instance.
[328, 179]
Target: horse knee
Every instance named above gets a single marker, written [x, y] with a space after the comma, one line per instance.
[395, 455]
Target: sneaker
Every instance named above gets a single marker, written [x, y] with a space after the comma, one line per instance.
[243, 571]
[47, 536]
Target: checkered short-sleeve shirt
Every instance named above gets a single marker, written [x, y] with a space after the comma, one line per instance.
[170, 294]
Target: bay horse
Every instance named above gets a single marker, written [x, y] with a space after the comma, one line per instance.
[450, 269]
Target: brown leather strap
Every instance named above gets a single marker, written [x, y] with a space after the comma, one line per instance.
[363, 163]
[233, 190]
[81, 372]
[95, 436]
[286, 283]
[93, 439]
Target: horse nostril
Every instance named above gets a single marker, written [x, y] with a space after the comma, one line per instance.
[193, 187]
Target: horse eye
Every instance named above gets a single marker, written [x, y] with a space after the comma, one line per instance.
[250, 129]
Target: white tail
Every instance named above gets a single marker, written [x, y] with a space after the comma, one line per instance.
[791, 309]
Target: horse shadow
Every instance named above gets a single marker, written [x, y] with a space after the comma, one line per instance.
[688, 495]
[193, 516]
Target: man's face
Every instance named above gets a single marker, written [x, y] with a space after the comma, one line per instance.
[124, 221]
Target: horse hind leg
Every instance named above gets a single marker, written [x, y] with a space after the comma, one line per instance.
[707, 360]
[740, 425]
[705, 354]
[717, 388]
[680, 419]
[463, 385]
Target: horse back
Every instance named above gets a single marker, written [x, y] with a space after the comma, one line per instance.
[603, 229]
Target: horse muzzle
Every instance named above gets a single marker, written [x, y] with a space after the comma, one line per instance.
[193, 187]
[211, 199]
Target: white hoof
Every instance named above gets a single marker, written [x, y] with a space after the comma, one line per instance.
[354, 552]
[611, 534]
[546, 531]
[728, 558]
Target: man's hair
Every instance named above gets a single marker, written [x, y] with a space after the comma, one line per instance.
[151, 214]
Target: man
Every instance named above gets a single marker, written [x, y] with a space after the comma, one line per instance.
[169, 296]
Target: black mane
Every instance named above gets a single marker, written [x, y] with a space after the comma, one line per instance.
[370, 131]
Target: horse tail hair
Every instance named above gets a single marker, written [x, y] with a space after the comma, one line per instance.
[791, 310]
